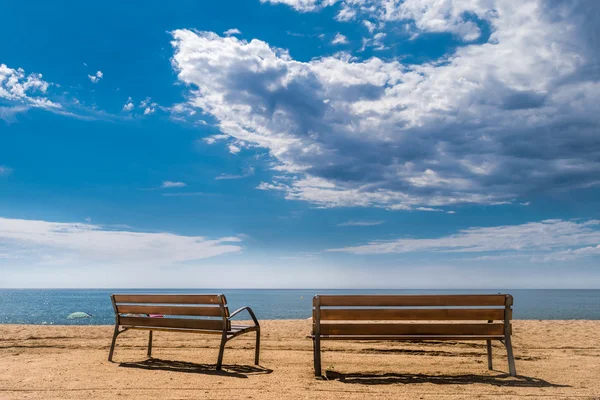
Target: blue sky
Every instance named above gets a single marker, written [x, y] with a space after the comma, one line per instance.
[300, 143]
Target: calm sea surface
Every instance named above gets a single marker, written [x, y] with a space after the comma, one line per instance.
[53, 306]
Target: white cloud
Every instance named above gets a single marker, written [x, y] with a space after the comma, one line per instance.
[339, 39]
[215, 138]
[426, 15]
[233, 31]
[128, 105]
[533, 239]
[96, 78]
[394, 135]
[247, 173]
[28, 90]
[233, 149]
[4, 170]
[303, 5]
[361, 223]
[84, 244]
[149, 110]
[369, 25]
[172, 184]
[430, 209]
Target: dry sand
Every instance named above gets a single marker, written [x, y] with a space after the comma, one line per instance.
[555, 359]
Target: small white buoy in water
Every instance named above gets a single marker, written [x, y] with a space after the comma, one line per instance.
[79, 314]
[301, 297]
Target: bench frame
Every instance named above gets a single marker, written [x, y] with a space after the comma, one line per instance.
[226, 332]
[505, 338]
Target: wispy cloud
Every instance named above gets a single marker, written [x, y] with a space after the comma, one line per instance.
[172, 184]
[247, 173]
[85, 244]
[8, 114]
[339, 39]
[233, 31]
[361, 223]
[429, 209]
[4, 170]
[535, 239]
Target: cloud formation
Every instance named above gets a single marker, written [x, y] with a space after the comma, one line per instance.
[172, 184]
[248, 172]
[96, 77]
[339, 39]
[303, 5]
[486, 124]
[28, 90]
[548, 240]
[361, 223]
[233, 31]
[86, 244]
[128, 105]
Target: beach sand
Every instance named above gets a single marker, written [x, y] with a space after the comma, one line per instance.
[555, 359]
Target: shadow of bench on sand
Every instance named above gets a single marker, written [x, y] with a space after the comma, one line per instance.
[393, 378]
[234, 371]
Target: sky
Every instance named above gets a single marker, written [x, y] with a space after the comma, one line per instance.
[300, 144]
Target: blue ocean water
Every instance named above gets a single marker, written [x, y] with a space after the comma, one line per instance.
[52, 306]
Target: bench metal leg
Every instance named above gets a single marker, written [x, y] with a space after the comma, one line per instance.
[150, 344]
[112, 345]
[489, 354]
[317, 355]
[511, 359]
[221, 351]
[257, 349]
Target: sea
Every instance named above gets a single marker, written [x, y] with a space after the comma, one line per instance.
[53, 306]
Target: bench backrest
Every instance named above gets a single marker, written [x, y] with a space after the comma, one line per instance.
[336, 315]
[207, 312]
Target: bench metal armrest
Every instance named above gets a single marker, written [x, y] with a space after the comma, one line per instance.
[233, 314]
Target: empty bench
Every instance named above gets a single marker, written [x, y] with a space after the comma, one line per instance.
[455, 317]
[202, 313]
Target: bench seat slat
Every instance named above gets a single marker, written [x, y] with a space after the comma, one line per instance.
[411, 329]
[159, 329]
[433, 314]
[188, 323]
[168, 298]
[170, 310]
[413, 300]
[234, 331]
[413, 337]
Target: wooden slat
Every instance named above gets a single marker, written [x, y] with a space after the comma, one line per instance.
[456, 300]
[412, 329]
[150, 328]
[189, 323]
[433, 314]
[170, 310]
[415, 337]
[168, 298]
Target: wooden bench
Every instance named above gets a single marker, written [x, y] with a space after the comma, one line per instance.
[366, 317]
[194, 313]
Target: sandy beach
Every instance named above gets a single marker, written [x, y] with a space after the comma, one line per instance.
[555, 359]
